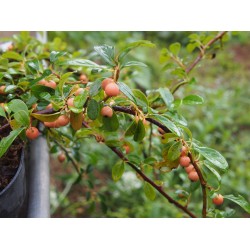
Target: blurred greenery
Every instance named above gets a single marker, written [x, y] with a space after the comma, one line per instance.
[222, 123]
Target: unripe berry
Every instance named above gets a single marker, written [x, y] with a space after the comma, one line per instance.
[218, 200]
[183, 151]
[70, 102]
[189, 168]
[2, 88]
[193, 176]
[79, 91]
[184, 161]
[112, 89]
[62, 120]
[107, 111]
[61, 157]
[127, 149]
[83, 78]
[32, 133]
[107, 81]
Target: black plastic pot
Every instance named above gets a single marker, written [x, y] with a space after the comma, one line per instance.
[13, 196]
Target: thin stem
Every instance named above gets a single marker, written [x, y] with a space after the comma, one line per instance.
[203, 186]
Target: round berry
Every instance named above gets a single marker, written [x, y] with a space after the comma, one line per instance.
[107, 111]
[32, 133]
[112, 89]
[2, 90]
[193, 176]
[51, 84]
[70, 102]
[50, 124]
[62, 120]
[218, 200]
[189, 168]
[127, 149]
[83, 78]
[61, 157]
[43, 82]
[184, 161]
[79, 91]
[107, 81]
[183, 151]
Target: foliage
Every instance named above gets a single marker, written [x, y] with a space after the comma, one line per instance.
[139, 110]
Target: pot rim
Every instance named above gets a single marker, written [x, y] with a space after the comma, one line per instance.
[16, 175]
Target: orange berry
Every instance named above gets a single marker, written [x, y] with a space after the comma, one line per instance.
[107, 81]
[161, 131]
[2, 90]
[50, 124]
[32, 133]
[61, 157]
[107, 111]
[70, 102]
[193, 176]
[83, 78]
[218, 200]
[51, 84]
[127, 149]
[183, 151]
[189, 168]
[79, 91]
[10, 47]
[184, 161]
[49, 106]
[112, 89]
[62, 120]
[43, 82]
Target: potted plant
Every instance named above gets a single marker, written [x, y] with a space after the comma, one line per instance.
[72, 105]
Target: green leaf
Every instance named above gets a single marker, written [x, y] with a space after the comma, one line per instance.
[118, 170]
[80, 99]
[129, 47]
[110, 123]
[166, 96]
[93, 109]
[131, 129]
[166, 122]
[83, 132]
[12, 55]
[7, 141]
[213, 156]
[149, 191]
[2, 112]
[175, 48]
[187, 131]
[64, 78]
[240, 200]
[133, 63]
[124, 88]
[17, 105]
[193, 100]
[174, 151]
[80, 62]
[33, 65]
[36, 90]
[22, 118]
[141, 99]
[139, 131]
[46, 117]
[54, 55]
[95, 87]
[107, 53]
[46, 73]
[215, 173]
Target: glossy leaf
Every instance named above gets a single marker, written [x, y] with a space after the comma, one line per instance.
[118, 170]
[175, 48]
[193, 100]
[166, 96]
[107, 53]
[133, 63]
[139, 131]
[240, 200]
[215, 173]
[131, 129]
[36, 90]
[93, 109]
[64, 78]
[22, 118]
[54, 55]
[76, 120]
[2, 112]
[110, 123]
[174, 151]
[80, 63]
[213, 156]
[124, 88]
[166, 122]
[80, 100]
[141, 99]
[17, 105]
[12, 55]
[95, 87]
[7, 141]
[149, 191]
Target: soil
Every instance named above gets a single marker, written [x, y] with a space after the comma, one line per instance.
[9, 162]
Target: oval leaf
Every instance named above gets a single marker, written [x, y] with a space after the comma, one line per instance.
[124, 88]
[46, 117]
[76, 120]
[139, 131]
[93, 109]
[110, 123]
[166, 96]
[149, 191]
[174, 151]
[117, 171]
[193, 100]
[175, 48]
[240, 200]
